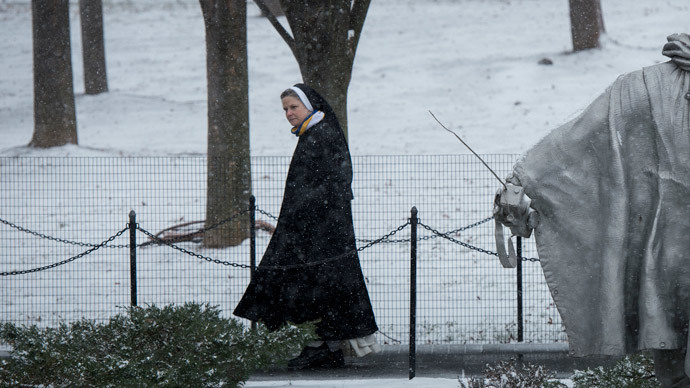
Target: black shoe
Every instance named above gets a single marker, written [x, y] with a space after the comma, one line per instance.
[316, 358]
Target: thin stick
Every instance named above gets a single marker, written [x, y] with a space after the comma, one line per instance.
[469, 148]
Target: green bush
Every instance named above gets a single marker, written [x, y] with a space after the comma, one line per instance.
[508, 374]
[176, 346]
[635, 371]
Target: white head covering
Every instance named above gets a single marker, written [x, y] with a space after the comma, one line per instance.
[303, 98]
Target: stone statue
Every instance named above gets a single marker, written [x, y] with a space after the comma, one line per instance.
[611, 193]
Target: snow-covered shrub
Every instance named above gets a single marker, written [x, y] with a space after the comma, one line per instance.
[634, 371]
[175, 346]
[511, 374]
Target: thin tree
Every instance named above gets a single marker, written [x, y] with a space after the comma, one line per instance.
[93, 47]
[55, 122]
[229, 171]
[586, 24]
[324, 40]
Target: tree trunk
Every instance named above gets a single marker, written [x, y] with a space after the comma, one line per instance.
[320, 30]
[55, 122]
[586, 23]
[93, 48]
[325, 40]
[229, 165]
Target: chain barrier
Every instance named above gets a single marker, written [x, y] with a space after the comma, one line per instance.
[60, 240]
[83, 244]
[454, 231]
[360, 240]
[160, 241]
[95, 247]
[387, 240]
[267, 214]
[276, 267]
[406, 240]
[104, 244]
[225, 221]
[188, 252]
[289, 266]
[156, 240]
[466, 245]
[397, 341]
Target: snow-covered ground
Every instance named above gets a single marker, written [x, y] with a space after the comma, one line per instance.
[473, 63]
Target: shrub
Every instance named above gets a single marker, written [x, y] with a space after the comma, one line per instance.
[634, 371]
[176, 346]
[507, 374]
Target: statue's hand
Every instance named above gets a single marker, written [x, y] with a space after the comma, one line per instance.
[512, 209]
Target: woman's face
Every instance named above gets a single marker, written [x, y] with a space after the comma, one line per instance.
[295, 111]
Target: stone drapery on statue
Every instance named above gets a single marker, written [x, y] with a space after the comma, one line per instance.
[612, 189]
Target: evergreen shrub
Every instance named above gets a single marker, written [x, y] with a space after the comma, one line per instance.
[633, 371]
[188, 345]
[511, 374]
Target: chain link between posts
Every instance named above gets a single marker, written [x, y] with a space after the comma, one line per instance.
[157, 240]
[190, 253]
[466, 245]
[71, 259]
[60, 240]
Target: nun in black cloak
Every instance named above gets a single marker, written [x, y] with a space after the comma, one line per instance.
[314, 243]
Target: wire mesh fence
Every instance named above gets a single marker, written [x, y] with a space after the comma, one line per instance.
[53, 209]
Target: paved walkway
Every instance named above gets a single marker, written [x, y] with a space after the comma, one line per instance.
[440, 361]
[445, 361]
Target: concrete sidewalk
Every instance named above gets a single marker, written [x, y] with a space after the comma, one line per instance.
[444, 361]
[441, 361]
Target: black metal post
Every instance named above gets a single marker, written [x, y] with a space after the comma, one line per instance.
[133, 257]
[252, 236]
[252, 241]
[413, 292]
[520, 328]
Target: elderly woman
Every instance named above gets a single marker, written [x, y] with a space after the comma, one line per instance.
[310, 270]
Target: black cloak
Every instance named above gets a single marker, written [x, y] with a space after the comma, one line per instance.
[315, 224]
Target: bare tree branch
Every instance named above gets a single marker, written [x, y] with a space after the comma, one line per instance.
[279, 27]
